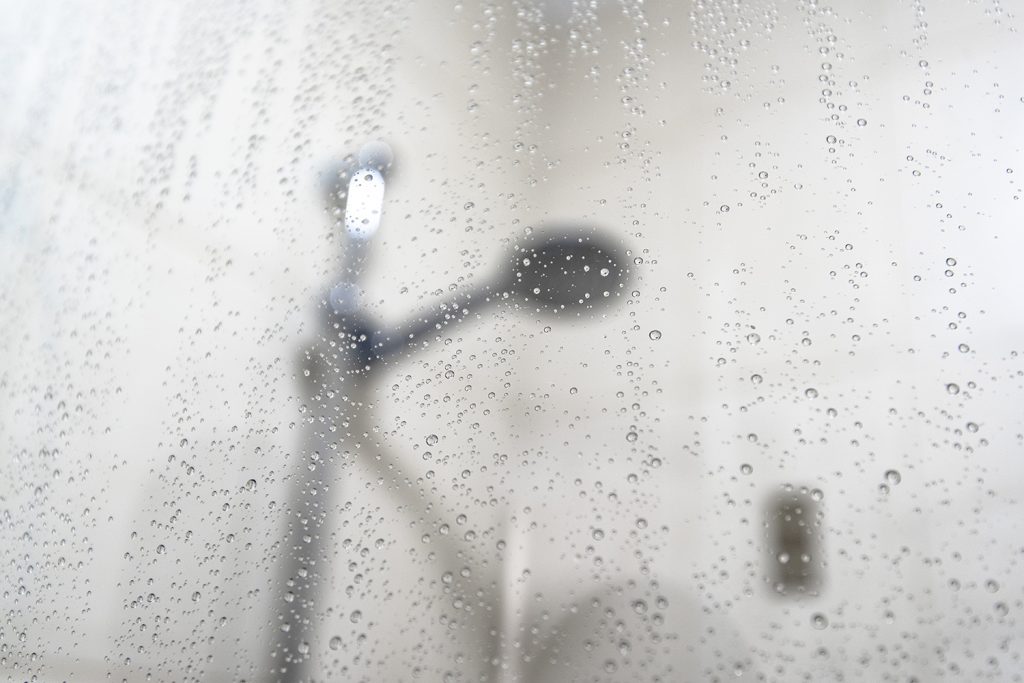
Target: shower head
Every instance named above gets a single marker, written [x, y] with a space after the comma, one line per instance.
[364, 199]
[566, 270]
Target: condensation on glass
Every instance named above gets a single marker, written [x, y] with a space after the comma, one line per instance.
[528, 340]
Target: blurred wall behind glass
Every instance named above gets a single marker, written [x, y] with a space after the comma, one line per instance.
[789, 449]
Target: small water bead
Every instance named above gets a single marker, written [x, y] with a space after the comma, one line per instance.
[992, 586]
[952, 389]
[811, 392]
[631, 436]
[862, 122]
[756, 379]
[951, 261]
[724, 208]
[893, 477]
[753, 338]
[355, 617]
[963, 348]
[250, 485]
[335, 642]
[819, 621]
[431, 440]
[597, 534]
[746, 469]
[303, 648]
[655, 335]
[972, 427]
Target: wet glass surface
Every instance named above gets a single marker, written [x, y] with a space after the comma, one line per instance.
[511, 341]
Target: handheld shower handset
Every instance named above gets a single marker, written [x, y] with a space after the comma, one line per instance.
[364, 204]
[365, 197]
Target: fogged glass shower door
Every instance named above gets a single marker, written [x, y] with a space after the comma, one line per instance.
[511, 341]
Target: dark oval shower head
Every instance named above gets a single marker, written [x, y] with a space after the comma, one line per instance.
[567, 270]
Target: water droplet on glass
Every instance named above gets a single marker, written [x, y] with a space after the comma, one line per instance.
[655, 335]
[819, 621]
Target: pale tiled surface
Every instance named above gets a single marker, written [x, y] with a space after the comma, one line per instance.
[184, 322]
